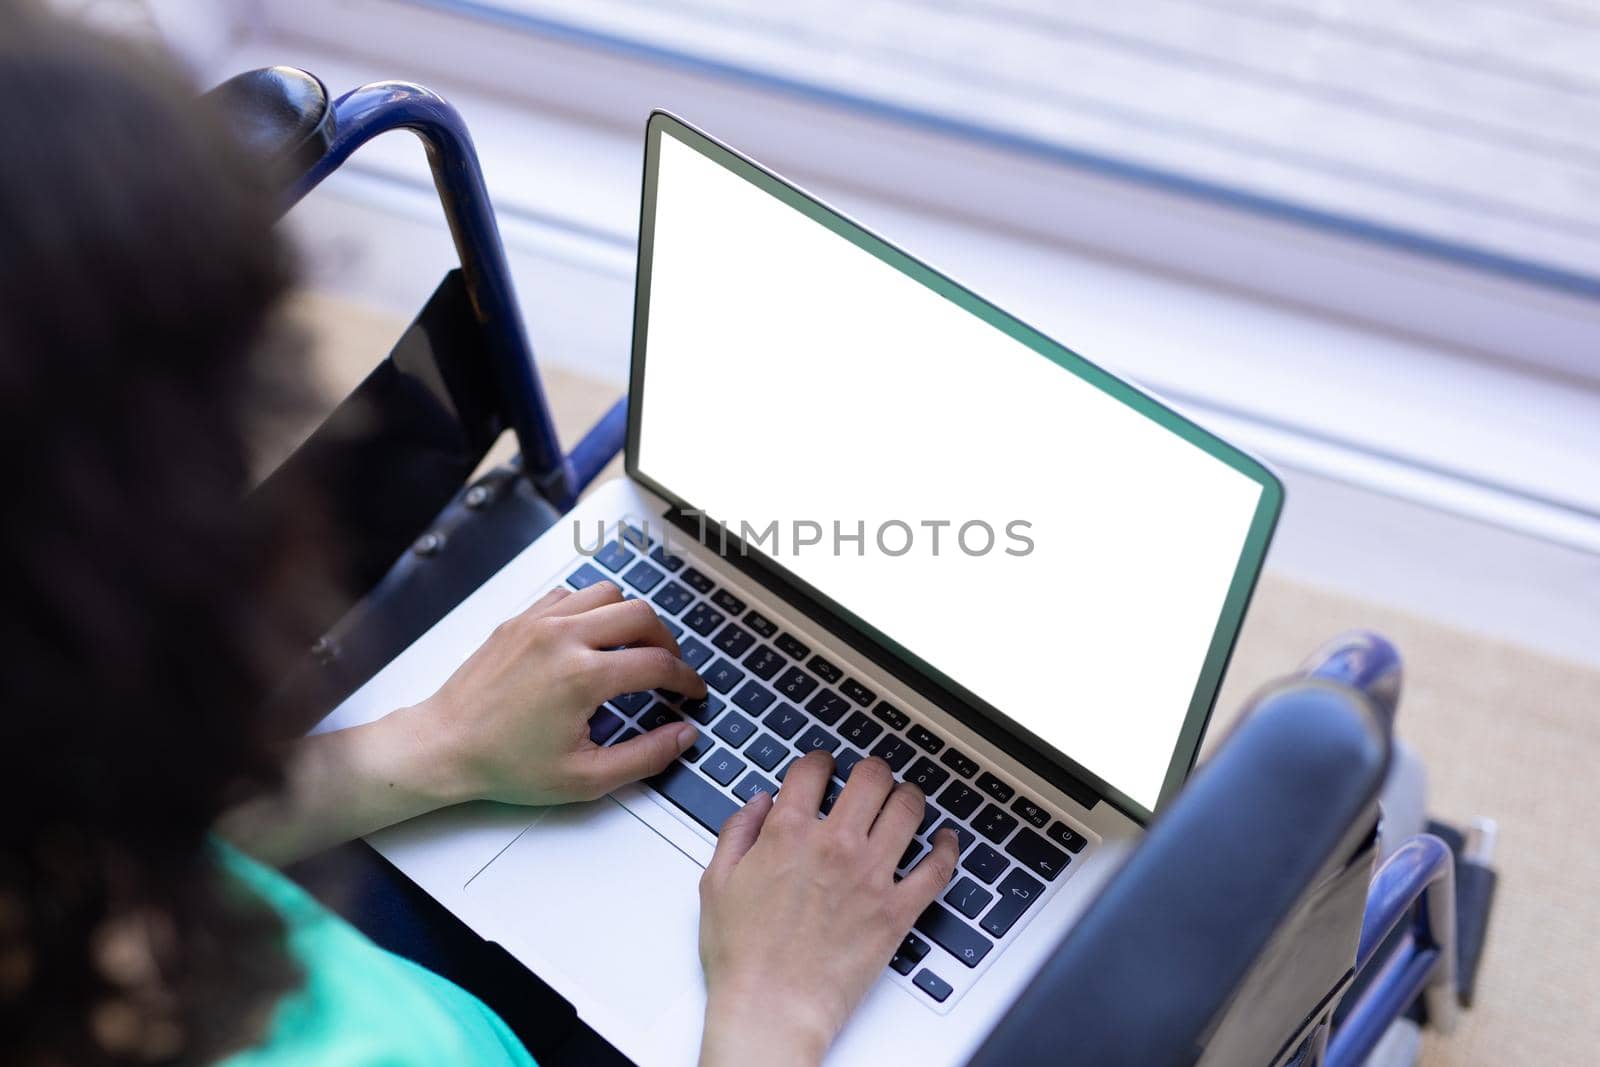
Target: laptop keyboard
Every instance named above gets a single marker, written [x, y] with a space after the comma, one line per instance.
[771, 699]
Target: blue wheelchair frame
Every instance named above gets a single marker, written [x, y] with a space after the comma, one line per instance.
[1406, 948]
[382, 107]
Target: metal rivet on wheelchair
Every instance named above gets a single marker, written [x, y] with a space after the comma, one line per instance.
[478, 496]
[429, 544]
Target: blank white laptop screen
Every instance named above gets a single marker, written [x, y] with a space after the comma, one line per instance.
[791, 376]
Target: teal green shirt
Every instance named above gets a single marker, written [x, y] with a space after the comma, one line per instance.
[361, 1006]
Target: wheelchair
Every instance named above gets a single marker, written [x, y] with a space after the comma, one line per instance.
[1293, 907]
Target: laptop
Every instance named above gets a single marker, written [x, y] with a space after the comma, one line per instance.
[882, 517]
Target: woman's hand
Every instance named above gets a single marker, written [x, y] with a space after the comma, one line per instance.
[800, 915]
[512, 722]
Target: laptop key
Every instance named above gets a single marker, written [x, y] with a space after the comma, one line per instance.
[830, 796]
[933, 985]
[897, 719]
[857, 692]
[671, 598]
[703, 710]
[953, 935]
[792, 647]
[910, 953]
[670, 562]
[693, 652]
[860, 729]
[960, 800]
[703, 803]
[795, 684]
[603, 724]
[785, 772]
[734, 639]
[925, 739]
[753, 697]
[816, 738]
[627, 735]
[766, 752]
[995, 787]
[994, 824]
[969, 898]
[1037, 854]
[751, 784]
[927, 775]
[985, 863]
[614, 556]
[825, 670]
[703, 618]
[894, 751]
[722, 675]
[728, 602]
[1066, 837]
[630, 703]
[734, 729]
[702, 745]
[909, 856]
[964, 838]
[764, 663]
[844, 762]
[784, 720]
[723, 766]
[672, 627]
[1031, 811]
[658, 715]
[697, 581]
[1017, 892]
[930, 815]
[959, 762]
[827, 706]
[761, 624]
[585, 576]
[643, 576]
[635, 537]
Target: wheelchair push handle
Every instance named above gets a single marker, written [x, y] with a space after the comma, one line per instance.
[283, 115]
[1364, 661]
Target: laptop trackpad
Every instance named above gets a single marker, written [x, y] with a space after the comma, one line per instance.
[601, 907]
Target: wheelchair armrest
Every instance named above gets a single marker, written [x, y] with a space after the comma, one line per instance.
[282, 116]
[1156, 958]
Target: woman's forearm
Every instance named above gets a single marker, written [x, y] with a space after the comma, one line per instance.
[345, 784]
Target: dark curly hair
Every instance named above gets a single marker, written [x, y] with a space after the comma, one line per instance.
[141, 608]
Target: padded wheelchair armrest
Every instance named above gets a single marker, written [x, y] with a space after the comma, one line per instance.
[281, 115]
[1154, 961]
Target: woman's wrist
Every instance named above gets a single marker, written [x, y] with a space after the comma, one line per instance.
[426, 759]
[743, 1029]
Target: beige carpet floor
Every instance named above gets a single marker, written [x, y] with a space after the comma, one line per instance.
[1504, 731]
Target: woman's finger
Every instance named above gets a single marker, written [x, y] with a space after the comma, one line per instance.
[858, 805]
[631, 622]
[803, 786]
[638, 758]
[927, 879]
[586, 599]
[739, 835]
[633, 670]
[898, 820]
[549, 600]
